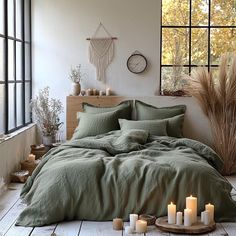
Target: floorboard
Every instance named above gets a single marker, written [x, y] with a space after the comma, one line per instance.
[90, 228]
[230, 228]
[43, 231]
[9, 219]
[71, 228]
[9, 198]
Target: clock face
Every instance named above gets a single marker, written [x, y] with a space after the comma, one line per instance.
[137, 63]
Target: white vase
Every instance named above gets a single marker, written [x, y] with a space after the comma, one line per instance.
[48, 140]
[75, 89]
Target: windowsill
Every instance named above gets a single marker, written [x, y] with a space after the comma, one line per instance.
[15, 133]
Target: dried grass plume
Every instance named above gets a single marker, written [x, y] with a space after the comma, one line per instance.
[217, 98]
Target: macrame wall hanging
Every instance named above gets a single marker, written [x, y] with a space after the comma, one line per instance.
[101, 52]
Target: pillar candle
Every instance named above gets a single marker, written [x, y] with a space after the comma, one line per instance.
[179, 218]
[191, 203]
[141, 226]
[171, 209]
[206, 217]
[202, 216]
[210, 208]
[88, 92]
[108, 92]
[94, 92]
[31, 157]
[117, 224]
[100, 93]
[188, 217]
[133, 218]
[128, 230]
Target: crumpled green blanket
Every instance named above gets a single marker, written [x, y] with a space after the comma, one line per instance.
[118, 173]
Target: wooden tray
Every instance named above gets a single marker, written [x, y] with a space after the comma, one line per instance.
[197, 228]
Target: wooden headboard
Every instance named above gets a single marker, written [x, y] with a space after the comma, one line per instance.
[74, 105]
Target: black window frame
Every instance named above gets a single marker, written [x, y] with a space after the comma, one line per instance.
[190, 27]
[6, 82]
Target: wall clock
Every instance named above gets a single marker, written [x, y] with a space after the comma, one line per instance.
[137, 63]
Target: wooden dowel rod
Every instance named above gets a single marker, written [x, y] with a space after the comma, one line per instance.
[112, 38]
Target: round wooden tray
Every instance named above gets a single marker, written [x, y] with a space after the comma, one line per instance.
[197, 228]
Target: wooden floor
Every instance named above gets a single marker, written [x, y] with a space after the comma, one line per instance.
[10, 207]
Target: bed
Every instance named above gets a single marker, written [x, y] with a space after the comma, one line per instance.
[103, 176]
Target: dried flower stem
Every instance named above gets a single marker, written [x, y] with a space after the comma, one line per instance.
[218, 102]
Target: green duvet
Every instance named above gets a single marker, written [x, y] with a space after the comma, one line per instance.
[118, 173]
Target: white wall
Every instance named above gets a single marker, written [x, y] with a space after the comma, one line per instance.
[60, 29]
[15, 149]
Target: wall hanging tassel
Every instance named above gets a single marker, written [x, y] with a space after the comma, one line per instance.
[101, 52]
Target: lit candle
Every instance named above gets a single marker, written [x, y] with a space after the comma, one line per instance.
[171, 213]
[108, 92]
[100, 93]
[210, 208]
[133, 218]
[191, 203]
[179, 218]
[141, 226]
[187, 217]
[31, 157]
[206, 217]
[128, 230]
[117, 224]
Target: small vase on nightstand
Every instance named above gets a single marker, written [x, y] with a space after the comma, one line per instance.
[48, 140]
[75, 89]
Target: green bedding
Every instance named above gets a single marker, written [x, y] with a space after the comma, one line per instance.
[115, 174]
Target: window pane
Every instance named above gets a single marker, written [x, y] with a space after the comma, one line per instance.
[1, 16]
[19, 114]
[10, 60]
[223, 12]
[27, 61]
[2, 74]
[174, 78]
[11, 106]
[27, 20]
[175, 46]
[18, 61]
[175, 12]
[199, 46]
[222, 41]
[10, 18]
[200, 9]
[18, 19]
[27, 102]
[2, 108]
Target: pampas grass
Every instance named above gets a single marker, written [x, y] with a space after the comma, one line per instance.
[217, 98]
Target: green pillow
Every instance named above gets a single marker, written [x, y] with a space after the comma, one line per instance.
[125, 109]
[148, 112]
[175, 126]
[95, 124]
[154, 127]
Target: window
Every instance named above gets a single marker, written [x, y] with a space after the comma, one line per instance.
[194, 33]
[15, 64]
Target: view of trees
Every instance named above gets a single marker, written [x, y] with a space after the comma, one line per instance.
[186, 36]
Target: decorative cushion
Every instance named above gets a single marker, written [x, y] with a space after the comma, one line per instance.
[145, 111]
[154, 127]
[95, 124]
[125, 109]
[175, 126]
[174, 115]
